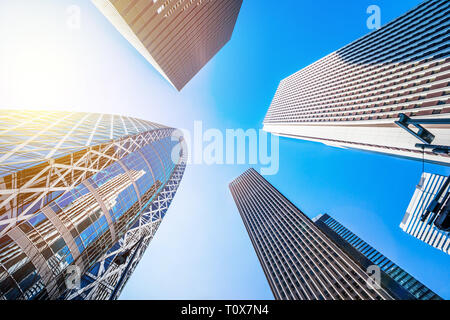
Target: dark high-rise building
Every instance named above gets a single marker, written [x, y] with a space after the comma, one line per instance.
[81, 196]
[299, 260]
[352, 97]
[310, 261]
[178, 37]
[393, 278]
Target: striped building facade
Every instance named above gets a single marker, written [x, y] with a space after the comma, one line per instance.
[298, 259]
[398, 281]
[178, 37]
[425, 231]
[352, 97]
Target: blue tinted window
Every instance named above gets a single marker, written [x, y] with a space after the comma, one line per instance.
[36, 219]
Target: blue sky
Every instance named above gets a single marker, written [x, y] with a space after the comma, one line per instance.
[202, 250]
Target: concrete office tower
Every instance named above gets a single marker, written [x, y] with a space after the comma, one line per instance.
[352, 97]
[178, 37]
[412, 222]
[394, 279]
[299, 260]
[80, 192]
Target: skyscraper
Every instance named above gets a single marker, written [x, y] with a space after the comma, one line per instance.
[394, 279]
[352, 97]
[298, 259]
[412, 222]
[83, 192]
[177, 37]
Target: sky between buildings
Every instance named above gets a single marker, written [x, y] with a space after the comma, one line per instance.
[202, 250]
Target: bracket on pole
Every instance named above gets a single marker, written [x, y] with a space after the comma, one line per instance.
[422, 134]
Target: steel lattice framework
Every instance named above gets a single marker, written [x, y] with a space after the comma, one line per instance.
[107, 278]
[80, 190]
[74, 152]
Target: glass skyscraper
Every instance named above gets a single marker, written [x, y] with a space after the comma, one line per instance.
[298, 259]
[83, 192]
[307, 260]
[394, 278]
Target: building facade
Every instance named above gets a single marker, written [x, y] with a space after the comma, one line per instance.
[77, 191]
[352, 97]
[394, 279]
[106, 279]
[412, 223]
[298, 259]
[178, 37]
